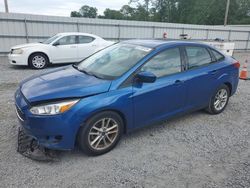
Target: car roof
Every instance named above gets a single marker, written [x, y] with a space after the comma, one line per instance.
[78, 33]
[151, 43]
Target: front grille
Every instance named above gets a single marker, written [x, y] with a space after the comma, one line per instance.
[20, 114]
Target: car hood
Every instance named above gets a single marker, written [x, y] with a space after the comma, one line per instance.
[28, 45]
[62, 83]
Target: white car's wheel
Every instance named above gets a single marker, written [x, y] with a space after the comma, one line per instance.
[38, 61]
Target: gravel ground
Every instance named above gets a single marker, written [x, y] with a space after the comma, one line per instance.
[196, 150]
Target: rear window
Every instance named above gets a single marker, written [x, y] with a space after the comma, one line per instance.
[197, 56]
[217, 55]
[85, 39]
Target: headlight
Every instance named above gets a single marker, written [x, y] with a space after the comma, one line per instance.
[53, 108]
[17, 51]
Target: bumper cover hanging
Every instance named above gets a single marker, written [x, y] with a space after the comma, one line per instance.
[28, 147]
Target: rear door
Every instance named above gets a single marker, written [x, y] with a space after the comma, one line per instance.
[167, 95]
[86, 46]
[202, 73]
[65, 50]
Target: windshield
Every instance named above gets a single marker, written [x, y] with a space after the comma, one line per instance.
[114, 61]
[51, 39]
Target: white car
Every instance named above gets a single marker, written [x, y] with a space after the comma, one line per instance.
[61, 48]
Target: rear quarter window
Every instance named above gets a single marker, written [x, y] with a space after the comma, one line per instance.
[218, 56]
[85, 39]
[197, 56]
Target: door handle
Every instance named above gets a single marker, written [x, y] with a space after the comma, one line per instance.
[72, 46]
[178, 82]
[213, 72]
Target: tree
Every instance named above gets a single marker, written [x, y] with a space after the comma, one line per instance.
[88, 12]
[128, 12]
[141, 13]
[243, 13]
[142, 9]
[165, 10]
[176, 11]
[85, 11]
[112, 14]
[75, 14]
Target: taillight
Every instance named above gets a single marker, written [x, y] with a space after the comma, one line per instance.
[236, 64]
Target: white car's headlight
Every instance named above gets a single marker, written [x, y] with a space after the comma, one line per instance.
[17, 51]
[53, 108]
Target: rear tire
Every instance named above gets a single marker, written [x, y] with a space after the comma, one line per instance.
[100, 133]
[219, 100]
[38, 61]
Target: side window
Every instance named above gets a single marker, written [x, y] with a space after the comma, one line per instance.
[85, 39]
[67, 40]
[197, 56]
[165, 63]
[217, 55]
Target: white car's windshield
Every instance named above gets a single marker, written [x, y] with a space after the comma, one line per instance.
[113, 61]
[51, 39]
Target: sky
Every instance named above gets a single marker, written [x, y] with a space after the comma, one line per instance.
[59, 7]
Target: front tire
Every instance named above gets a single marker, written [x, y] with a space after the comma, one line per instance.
[38, 61]
[219, 100]
[100, 133]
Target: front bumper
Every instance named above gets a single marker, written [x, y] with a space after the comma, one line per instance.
[54, 132]
[17, 59]
[27, 146]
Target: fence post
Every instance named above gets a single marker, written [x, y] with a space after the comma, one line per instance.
[26, 30]
[183, 30]
[247, 42]
[153, 33]
[119, 32]
[207, 34]
[229, 35]
[77, 26]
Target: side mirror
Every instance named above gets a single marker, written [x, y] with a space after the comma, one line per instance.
[146, 77]
[56, 44]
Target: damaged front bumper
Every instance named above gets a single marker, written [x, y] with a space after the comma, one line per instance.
[28, 147]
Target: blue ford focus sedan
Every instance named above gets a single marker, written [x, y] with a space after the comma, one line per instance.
[122, 88]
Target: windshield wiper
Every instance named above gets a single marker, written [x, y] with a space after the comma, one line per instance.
[86, 72]
[92, 74]
[75, 66]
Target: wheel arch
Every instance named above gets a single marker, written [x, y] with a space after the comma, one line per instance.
[100, 111]
[122, 115]
[229, 85]
[226, 80]
[38, 52]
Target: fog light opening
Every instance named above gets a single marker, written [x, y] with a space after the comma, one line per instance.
[58, 137]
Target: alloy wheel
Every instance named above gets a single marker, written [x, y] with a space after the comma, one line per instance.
[220, 100]
[103, 133]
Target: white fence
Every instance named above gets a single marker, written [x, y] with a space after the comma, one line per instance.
[23, 28]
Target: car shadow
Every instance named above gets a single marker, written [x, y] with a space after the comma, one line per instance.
[174, 123]
[23, 67]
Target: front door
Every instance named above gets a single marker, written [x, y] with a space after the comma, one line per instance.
[65, 50]
[167, 95]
